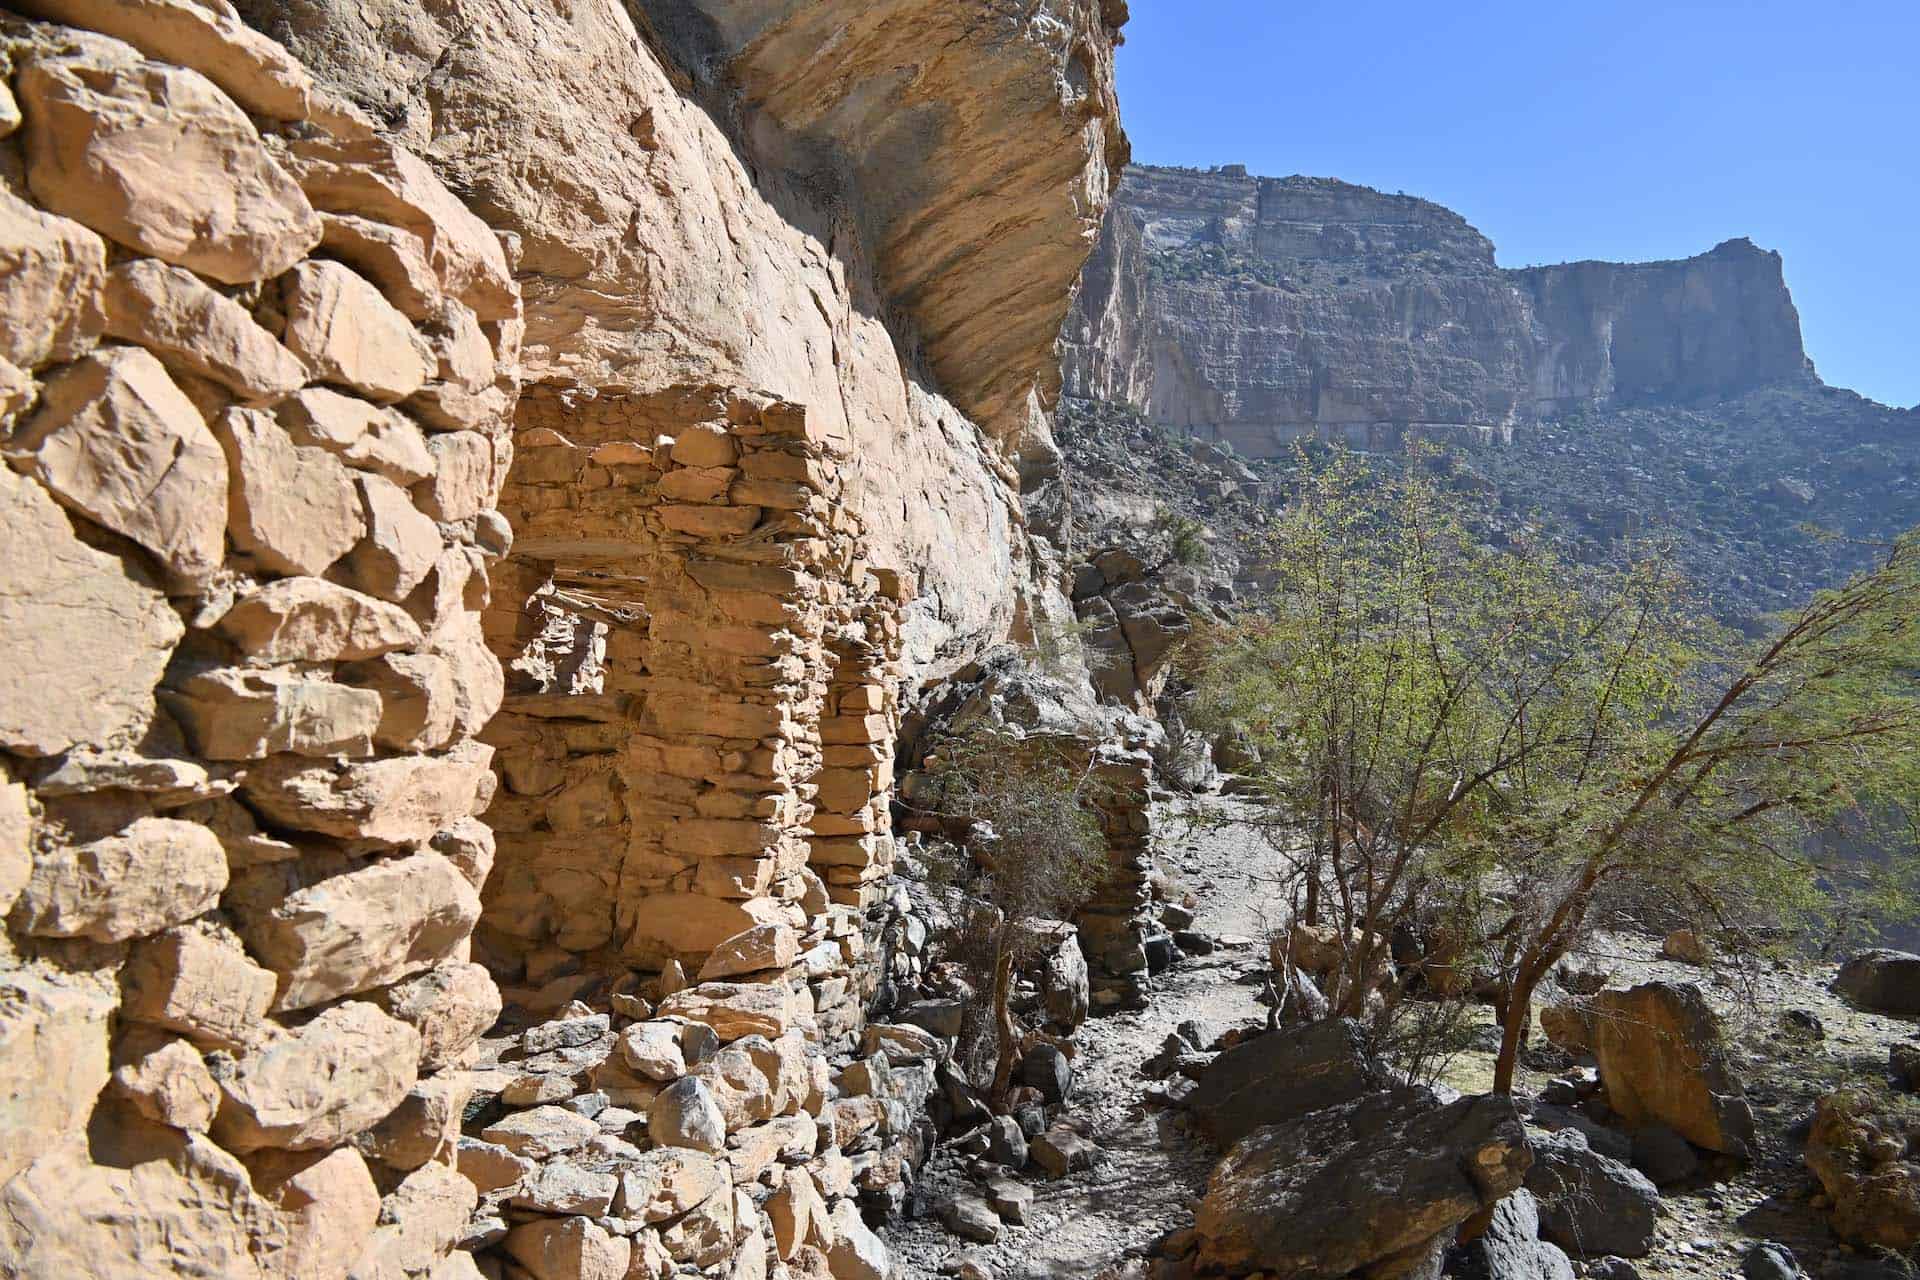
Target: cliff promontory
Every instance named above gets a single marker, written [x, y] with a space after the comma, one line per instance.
[1267, 307]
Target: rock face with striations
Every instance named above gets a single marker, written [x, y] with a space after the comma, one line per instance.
[1267, 308]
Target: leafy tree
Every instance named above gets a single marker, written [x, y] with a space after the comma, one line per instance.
[1495, 748]
[1036, 847]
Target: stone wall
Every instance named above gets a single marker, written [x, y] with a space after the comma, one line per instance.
[258, 366]
[474, 528]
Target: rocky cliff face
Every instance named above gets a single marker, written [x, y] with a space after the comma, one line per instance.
[1264, 308]
[483, 479]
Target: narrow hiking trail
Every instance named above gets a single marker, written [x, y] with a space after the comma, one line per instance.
[1151, 1166]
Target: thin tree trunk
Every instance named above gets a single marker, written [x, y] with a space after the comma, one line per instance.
[1004, 1029]
[1513, 1027]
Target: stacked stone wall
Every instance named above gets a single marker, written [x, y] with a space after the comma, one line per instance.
[444, 831]
[257, 366]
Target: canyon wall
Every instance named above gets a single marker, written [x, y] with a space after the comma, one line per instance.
[1261, 309]
[484, 478]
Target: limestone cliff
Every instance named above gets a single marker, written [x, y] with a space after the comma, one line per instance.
[1262, 308]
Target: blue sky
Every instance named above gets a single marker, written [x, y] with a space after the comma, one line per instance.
[1623, 129]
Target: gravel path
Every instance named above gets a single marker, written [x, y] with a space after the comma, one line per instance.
[1151, 1166]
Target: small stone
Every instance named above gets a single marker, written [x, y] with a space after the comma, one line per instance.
[402, 543]
[450, 1006]
[1048, 1070]
[328, 1202]
[686, 1115]
[199, 984]
[767, 946]
[564, 1033]
[541, 1133]
[969, 1216]
[491, 1167]
[734, 1009]
[400, 801]
[424, 1126]
[569, 1249]
[1011, 1199]
[416, 698]
[75, 622]
[361, 929]
[653, 1050]
[170, 1085]
[1061, 1151]
[561, 1187]
[292, 509]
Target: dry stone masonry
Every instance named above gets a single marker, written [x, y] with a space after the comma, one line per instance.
[466, 565]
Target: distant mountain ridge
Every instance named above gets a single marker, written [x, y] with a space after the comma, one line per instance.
[1258, 309]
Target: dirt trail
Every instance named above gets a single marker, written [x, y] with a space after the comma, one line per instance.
[1151, 1166]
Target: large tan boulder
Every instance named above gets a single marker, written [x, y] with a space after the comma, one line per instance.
[173, 314]
[117, 441]
[357, 930]
[319, 1085]
[200, 983]
[1662, 1061]
[451, 1006]
[767, 946]
[1861, 1161]
[53, 1063]
[159, 160]
[293, 509]
[248, 713]
[367, 436]
[75, 621]
[132, 1201]
[349, 335]
[52, 271]
[392, 257]
[479, 682]
[312, 620]
[1359, 1185]
[401, 800]
[670, 1181]
[154, 873]
[328, 1202]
